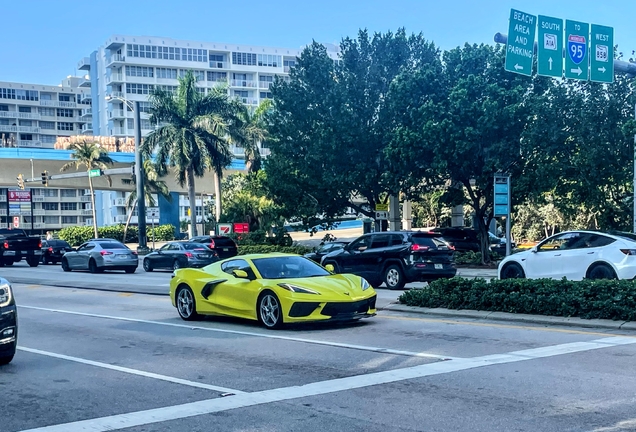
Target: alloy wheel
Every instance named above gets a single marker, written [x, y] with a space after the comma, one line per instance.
[185, 303]
[269, 310]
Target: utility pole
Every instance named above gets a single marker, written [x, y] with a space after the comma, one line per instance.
[139, 174]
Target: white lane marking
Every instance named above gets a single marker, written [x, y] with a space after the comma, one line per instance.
[245, 333]
[131, 371]
[175, 412]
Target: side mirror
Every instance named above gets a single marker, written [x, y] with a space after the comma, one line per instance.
[242, 274]
[330, 268]
[534, 249]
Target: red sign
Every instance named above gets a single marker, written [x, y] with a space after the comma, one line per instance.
[19, 196]
[16, 222]
[241, 227]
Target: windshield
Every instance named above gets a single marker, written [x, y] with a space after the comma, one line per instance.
[195, 246]
[288, 267]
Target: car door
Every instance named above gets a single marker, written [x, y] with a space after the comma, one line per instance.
[373, 257]
[351, 260]
[580, 252]
[544, 262]
[84, 255]
[235, 296]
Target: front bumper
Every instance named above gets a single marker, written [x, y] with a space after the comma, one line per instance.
[8, 330]
[302, 311]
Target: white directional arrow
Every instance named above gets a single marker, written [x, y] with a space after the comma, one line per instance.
[550, 61]
[517, 67]
[577, 71]
[602, 69]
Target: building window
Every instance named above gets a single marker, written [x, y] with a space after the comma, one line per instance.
[167, 88]
[169, 53]
[269, 60]
[130, 123]
[69, 219]
[146, 125]
[63, 112]
[217, 58]
[6, 93]
[68, 193]
[63, 126]
[266, 95]
[29, 95]
[5, 122]
[139, 71]
[47, 125]
[201, 90]
[25, 122]
[66, 206]
[241, 93]
[64, 98]
[139, 88]
[246, 59]
[48, 139]
[26, 137]
[47, 112]
[49, 193]
[289, 63]
[166, 73]
[24, 109]
[145, 107]
[4, 107]
[217, 76]
[50, 206]
[51, 220]
[143, 51]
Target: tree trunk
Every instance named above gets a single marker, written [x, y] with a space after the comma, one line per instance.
[130, 213]
[217, 192]
[193, 202]
[90, 185]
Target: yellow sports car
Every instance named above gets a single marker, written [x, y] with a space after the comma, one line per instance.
[272, 288]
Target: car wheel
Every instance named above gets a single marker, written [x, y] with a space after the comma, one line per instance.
[393, 277]
[33, 261]
[6, 359]
[92, 266]
[147, 266]
[601, 271]
[176, 265]
[186, 304]
[65, 265]
[512, 271]
[8, 263]
[130, 270]
[269, 311]
[43, 260]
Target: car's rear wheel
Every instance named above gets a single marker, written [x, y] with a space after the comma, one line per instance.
[9, 263]
[147, 265]
[92, 266]
[33, 261]
[130, 270]
[65, 265]
[176, 265]
[186, 304]
[601, 271]
[512, 271]
[269, 311]
[394, 277]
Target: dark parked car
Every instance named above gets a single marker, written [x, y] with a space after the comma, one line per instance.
[395, 258]
[461, 238]
[8, 323]
[54, 250]
[223, 246]
[177, 255]
[324, 250]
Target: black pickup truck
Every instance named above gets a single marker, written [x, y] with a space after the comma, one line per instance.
[15, 245]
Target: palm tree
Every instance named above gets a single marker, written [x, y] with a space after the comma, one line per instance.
[252, 131]
[90, 156]
[194, 136]
[152, 184]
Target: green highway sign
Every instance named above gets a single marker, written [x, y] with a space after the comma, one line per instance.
[577, 36]
[550, 47]
[94, 173]
[520, 45]
[602, 54]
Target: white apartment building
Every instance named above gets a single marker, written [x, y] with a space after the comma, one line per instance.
[130, 67]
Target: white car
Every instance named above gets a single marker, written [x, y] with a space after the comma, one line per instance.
[575, 255]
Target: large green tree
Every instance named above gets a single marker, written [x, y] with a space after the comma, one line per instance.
[89, 155]
[194, 135]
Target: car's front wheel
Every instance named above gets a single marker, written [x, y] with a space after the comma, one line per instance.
[394, 277]
[512, 271]
[65, 265]
[147, 265]
[269, 311]
[186, 304]
[6, 359]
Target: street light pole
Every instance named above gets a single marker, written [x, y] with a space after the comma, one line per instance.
[139, 174]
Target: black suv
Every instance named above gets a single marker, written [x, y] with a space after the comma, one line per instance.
[395, 258]
[8, 323]
[223, 246]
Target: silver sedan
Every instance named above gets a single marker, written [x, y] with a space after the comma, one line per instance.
[101, 254]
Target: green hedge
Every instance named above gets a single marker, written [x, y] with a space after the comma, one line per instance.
[603, 299]
[258, 238]
[257, 249]
[79, 234]
[473, 258]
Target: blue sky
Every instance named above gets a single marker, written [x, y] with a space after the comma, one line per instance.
[44, 39]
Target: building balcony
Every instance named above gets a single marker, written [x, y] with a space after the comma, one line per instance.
[86, 212]
[84, 82]
[120, 131]
[9, 114]
[243, 83]
[3, 211]
[115, 59]
[29, 143]
[26, 129]
[286, 69]
[84, 64]
[87, 112]
[265, 84]
[116, 113]
[84, 98]
[219, 65]
[249, 101]
[115, 78]
[29, 116]
[119, 202]
[115, 94]
[41, 225]
[58, 104]
[87, 128]
[39, 212]
[3, 198]
[85, 198]
[120, 219]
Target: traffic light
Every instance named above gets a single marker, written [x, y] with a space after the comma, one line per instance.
[20, 179]
[45, 178]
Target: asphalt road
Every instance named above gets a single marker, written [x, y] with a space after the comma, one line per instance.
[92, 360]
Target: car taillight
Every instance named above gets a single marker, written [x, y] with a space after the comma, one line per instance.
[40, 244]
[417, 247]
[133, 252]
[6, 245]
[102, 253]
[211, 244]
[629, 251]
[50, 249]
[188, 254]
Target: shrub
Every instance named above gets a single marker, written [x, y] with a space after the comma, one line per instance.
[258, 249]
[256, 238]
[602, 299]
[79, 234]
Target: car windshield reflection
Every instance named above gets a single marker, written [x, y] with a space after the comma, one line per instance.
[288, 267]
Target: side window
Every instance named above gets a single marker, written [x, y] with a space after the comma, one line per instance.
[396, 240]
[380, 241]
[595, 240]
[173, 247]
[238, 264]
[86, 247]
[552, 243]
[165, 247]
[362, 242]
[565, 241]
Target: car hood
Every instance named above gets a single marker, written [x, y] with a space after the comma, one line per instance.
[333, 287]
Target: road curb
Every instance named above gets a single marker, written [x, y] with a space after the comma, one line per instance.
[511, 317]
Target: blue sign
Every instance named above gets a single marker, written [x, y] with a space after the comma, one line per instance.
[577, 48]
[501, 188]
[502, 210]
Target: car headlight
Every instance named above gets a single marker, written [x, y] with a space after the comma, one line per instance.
[364, 284]
[297, 289]
[5, 295]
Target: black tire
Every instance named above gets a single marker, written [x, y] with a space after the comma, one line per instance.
[65, 265]
[512, 271]
[186, 304]
[92, 266]
[147, 265]
[176, 265]
[33, 261]
[43, 260]
[394, 277]
[130, 270]
[601, 271]
[6, 359]
[269, 310]
[8, 263]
